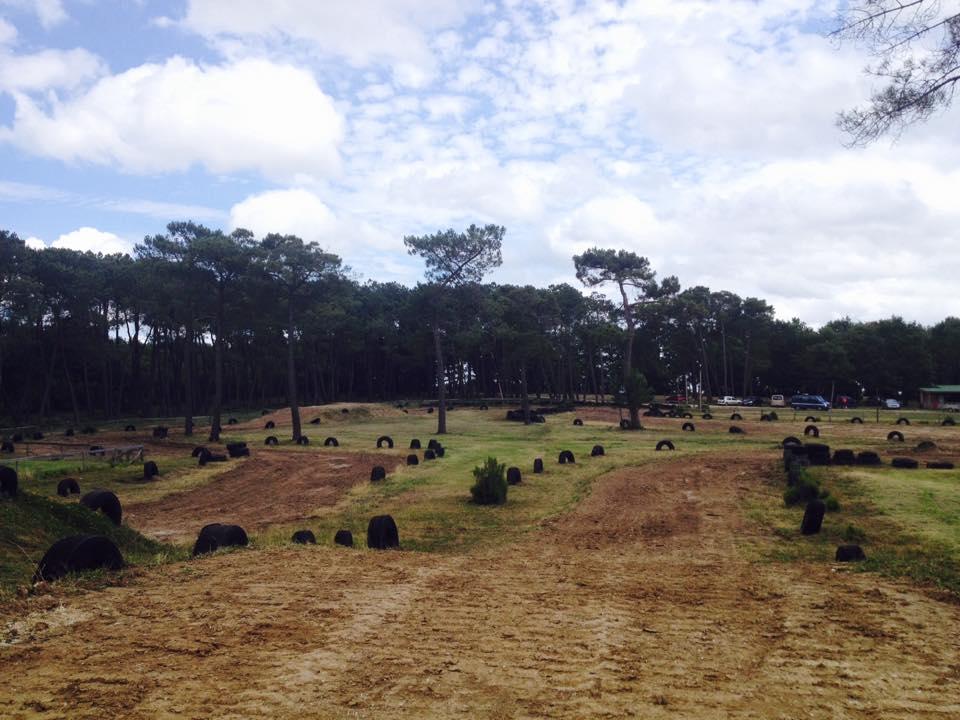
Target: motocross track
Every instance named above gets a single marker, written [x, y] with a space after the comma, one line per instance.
[637, 604]
[278, 487]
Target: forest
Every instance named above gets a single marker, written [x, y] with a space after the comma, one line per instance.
[198, 321]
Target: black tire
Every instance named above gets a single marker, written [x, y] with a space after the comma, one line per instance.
[104, 501]
[378, 473]
[315, 421]
[429, 455]
[385, 439]
[736, 416]
[850, 553]
[271, 440]
[382, 533]
[513, 476]
[303, 440]
[790, 440]
[688, 416]
[429, 411]
[868, 458]
[764, 417]
[160, 432]
[440, 451]
[736, 430]
[948, 422]
[412, 459]
[818, 454]
[215, 536]
[597, 451]
[270, 425]
[578, 422]
[204, 456]
[905, 463]
[624, 424]
[895, 435]
[811, 431]
[344, 538]
[665, 444]
[9, 482]
[566, 457]
[811, 419]
[844, 457]
[7, 447]
[68, 486]
[150, 470]
[856, 420]
[813, 517]
[232, 421]
[707, 416]
[331, 442]
[238, 449]
[538, 466]
[415, 444]
[130, 428]
[939, 465]
[688, 427]
[304, 537]
[198, 451]
[78, 553]
[433, 444]
[903, 421]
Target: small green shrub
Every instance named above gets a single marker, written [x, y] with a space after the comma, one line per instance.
[804, 490]
[854, 534]
[833, 505]
[490, 487]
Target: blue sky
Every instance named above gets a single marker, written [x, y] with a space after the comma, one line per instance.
[697, 132]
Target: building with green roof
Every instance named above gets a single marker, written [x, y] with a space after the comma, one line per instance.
[935, 397]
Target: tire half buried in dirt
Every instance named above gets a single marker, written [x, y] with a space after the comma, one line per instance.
[895, 436]
[811, 431]
[538, 466]
[106, 502]
[688, 427]
[77, 553]
[513, 476]
[813, 517]
[849, 553]
[9, 482]
[378, 473]
[150, 470]
[304, 537]
[343, 537]
[384, 439]
[566, 457]
[382, 533]
[68, 486]
[904, 463]
[665, 444]
[596, 451]
[215, 536]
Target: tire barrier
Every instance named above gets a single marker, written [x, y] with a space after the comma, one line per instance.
[68, 486]
[78, 553]
[813, 517]
[344, 538]
[811, 431]
[850, 553]
[597, 451]
[566, 457]
[384, 439]
[382, 533]
[895, 435]
[215, 536]
[378, 473]
[513, 476]
[538, 466]
[104, 501]
[304, 537]
[688, 427]
[331, 442]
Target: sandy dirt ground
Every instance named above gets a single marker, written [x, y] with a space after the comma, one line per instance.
[637, 604]
[272, 487]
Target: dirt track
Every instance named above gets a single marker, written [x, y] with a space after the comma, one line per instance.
[637, 604]
[273, 487]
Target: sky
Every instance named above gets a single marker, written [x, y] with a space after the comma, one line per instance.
[698, 133]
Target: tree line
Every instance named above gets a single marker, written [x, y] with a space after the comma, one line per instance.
[198, 320]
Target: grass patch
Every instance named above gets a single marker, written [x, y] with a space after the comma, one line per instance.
[31, 523]
[906, 521]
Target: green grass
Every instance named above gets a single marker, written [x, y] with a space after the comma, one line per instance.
[908, 522]
[31, 523]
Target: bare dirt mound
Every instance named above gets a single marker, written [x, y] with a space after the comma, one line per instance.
[636, 604]
[271, 487]
[328, 414]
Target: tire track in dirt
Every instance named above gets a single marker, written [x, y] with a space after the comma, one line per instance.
[635, 604]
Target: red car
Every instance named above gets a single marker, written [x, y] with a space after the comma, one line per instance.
[675, 399]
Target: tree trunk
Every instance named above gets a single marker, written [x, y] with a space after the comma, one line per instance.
[292, 372]
[188, 377]
[215, 428]
[628, 361]
[441, 382]
[524, 395]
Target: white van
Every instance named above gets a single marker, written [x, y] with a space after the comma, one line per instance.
[777, 401]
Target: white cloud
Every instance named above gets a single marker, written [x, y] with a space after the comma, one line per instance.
[48, 12]
[90, 239]
[35, 243]
[49, 69]
[251, 114]
[8, 33]
[392, 32]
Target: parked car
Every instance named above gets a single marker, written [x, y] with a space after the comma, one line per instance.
[728, 400]
[675, 399]
[845, 401]
[891, 404]
[809, 402]
[752, 401]
[950, 407]
[777, 401]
